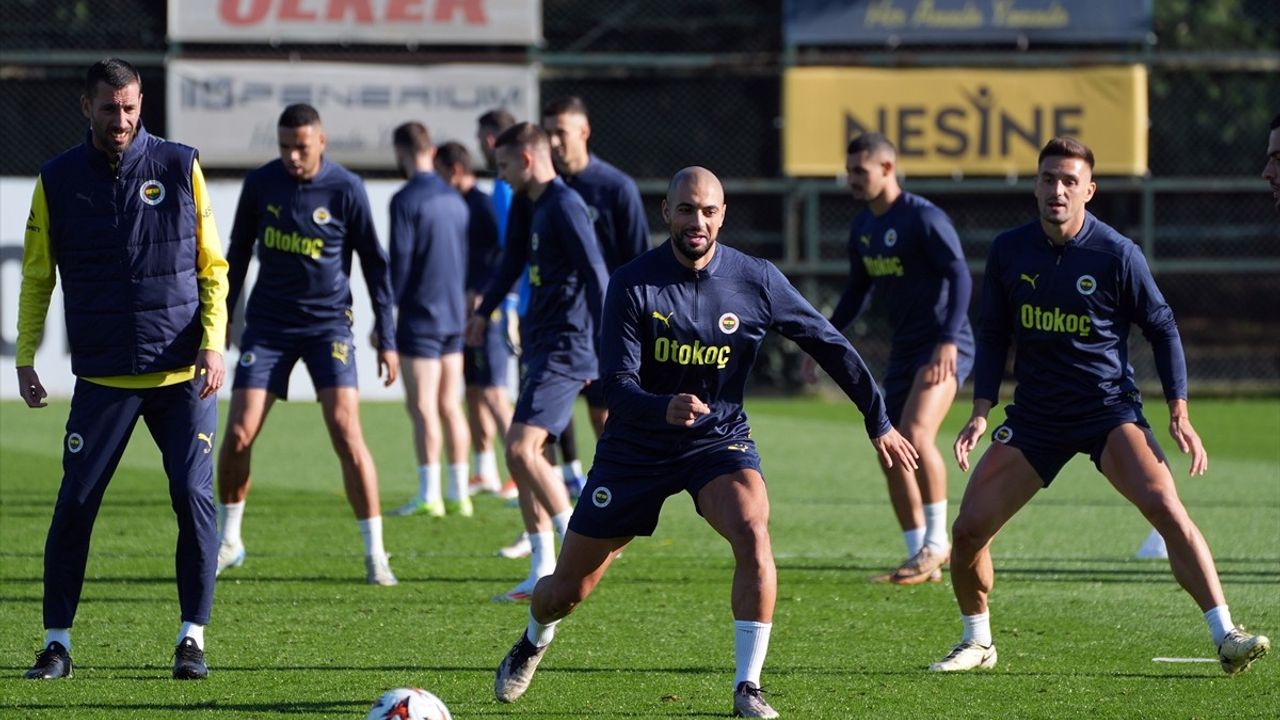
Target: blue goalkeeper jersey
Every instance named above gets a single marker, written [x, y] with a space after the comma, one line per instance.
[305, 233]
[429, 226]
[1067, 311]
[668, 329]
[567, 278]
[616, 211]
[910, 258]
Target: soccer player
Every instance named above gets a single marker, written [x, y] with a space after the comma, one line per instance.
[306, 215]
[1064, 289]
[428, 271]
[616, 212]
[904, 248]
[1271, 171]
[484, 368]
[125, 219]
[681, 329]
[567, 279]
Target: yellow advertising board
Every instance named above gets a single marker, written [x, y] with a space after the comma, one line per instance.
[965, 121]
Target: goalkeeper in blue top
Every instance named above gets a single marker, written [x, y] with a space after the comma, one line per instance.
[682, 326]
[1064, 290]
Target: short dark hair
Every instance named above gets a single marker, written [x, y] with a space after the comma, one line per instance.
[1068, 147]
[566, 104]
[522, 135]
[114, 72]
[497, 120]
[454, 153]
[412, 136]
[1275, 122]
[299, 115]
[870, 142]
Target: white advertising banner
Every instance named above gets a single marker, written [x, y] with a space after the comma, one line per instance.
[53, 361]
[398, 22]
[229, 109]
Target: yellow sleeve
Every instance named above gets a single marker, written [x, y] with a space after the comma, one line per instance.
[211, 267]
[38, 279]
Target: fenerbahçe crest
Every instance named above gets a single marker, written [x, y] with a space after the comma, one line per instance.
[151, 192]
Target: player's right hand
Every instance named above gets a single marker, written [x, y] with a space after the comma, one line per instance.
[685, 409]
[33, 393]
[809, 370]
[968, 439]
[892, 446]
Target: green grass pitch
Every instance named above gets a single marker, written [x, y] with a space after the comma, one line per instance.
[296, 633]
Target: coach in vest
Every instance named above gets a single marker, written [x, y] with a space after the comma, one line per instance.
[125, 219]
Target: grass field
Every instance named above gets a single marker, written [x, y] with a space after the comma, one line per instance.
[296, 633]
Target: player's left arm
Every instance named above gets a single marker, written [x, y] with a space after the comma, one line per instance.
[1145, 305]
[211, 276]
[942, 249]
[631, 227]
[584, 251]
[377, 276]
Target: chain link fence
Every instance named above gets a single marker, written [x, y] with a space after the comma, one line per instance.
[672, 83]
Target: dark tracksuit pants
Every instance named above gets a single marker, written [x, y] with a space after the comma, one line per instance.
[101, 421]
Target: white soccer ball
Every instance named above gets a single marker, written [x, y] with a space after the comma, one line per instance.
[408, 704]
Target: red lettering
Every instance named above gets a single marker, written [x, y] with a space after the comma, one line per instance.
[472, 10]
[404, 11]
[338, 10]
[291, 10]
[230, 11]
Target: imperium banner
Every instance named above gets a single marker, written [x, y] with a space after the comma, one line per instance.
[965, 121]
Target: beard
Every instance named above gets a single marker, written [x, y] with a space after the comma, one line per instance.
[690, 252]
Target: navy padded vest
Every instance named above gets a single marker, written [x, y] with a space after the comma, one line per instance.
[124, 241]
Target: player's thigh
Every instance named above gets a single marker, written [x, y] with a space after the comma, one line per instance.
[735, 502]
[247, 413]
[526, 440]
[341, 409]
[421, 379]
[1135, 465]
[927, 405]
[1002, 482]
[451, 382]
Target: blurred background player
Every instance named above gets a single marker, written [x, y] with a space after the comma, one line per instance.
[484, 368]
[1271, 171]
[306, 215]
[678, 423]
[128, 194]
[905, 249]
[429, 226]
[1064, 290]
[567, 279]
[617, 214]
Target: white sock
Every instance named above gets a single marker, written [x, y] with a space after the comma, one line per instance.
[193, 631]
[60, 635]
[371, 531]
[935, 526]
[458, 481]
[1219, 619]
[487, 466]
[914, 539]
[560, 522]
[540, 634]
[542, 555]
[429, 483]
[572, 470]
[750, 645]
[977, 628]
[232, 514]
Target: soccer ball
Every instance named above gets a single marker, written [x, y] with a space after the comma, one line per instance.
[408, 704]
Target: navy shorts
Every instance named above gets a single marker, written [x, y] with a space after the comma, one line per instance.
[428, 346]
[901, 375]
[267, 360]
[625, 499]
[1049, 443]
[547, 393]
[487, 366]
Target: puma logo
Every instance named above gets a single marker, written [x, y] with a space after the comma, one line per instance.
[207, 440]
[1031, 279]
[866, 240]
[87, 198]
[665, 320]
[274, 210]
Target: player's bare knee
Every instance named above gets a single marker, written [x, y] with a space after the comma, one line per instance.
[967, 536]
[239, 441]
